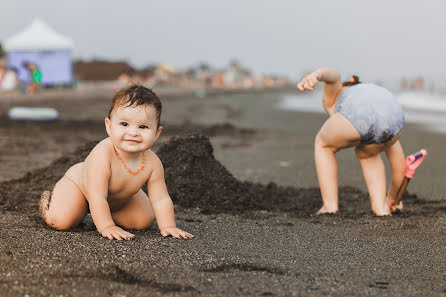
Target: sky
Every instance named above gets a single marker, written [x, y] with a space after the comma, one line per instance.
[378, 40]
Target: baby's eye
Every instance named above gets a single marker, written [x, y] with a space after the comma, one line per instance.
[143, 127]
[124, 124]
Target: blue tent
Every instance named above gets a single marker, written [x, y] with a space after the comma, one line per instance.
[41, 45]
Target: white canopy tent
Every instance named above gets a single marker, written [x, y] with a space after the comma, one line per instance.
[38, 43]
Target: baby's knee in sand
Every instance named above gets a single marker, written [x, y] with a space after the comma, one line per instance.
[136, 223]
[57, 225]
[53, 220]
[56, 222]
[143, 224]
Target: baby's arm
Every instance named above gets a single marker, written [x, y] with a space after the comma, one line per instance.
[96, 178]
[333, 83]
[162, 204]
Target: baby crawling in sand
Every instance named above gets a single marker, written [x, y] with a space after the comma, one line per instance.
[109, 181]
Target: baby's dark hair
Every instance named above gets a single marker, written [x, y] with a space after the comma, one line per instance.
[354, 80]
[135, 95]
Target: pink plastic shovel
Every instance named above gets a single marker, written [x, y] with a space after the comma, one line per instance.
[412, 162]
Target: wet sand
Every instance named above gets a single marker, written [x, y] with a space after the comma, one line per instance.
[245, 186]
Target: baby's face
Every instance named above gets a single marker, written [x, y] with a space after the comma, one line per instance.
[133, 129]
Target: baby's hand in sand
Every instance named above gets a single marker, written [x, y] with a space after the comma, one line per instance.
[394, 208]
[115, 232]
[176, 232]
[310, 81]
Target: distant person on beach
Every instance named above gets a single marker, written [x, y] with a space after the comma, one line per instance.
[364, 116]
[125, 78]
[36, 77]
[10, 80]
[108, 183]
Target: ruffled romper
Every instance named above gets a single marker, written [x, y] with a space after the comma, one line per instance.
[373, 111]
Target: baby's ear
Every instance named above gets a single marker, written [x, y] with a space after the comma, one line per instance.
[107, 125]
[158, 132]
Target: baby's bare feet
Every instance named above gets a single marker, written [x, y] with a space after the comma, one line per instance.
[326, 210]
[384, 211]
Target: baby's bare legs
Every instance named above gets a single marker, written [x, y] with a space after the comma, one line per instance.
[65, 207]
[136, 214]
[327, 173]
[336, 133]
[374, 175]
[395, 154]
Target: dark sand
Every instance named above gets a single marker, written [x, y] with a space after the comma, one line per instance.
[252, 239]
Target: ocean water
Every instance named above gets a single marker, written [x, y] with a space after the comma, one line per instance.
[428, 110]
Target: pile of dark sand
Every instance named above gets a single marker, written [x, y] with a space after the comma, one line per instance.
[195, 179]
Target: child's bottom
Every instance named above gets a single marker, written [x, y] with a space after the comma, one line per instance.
[66, 207]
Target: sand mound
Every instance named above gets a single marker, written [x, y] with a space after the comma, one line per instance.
[195, 179]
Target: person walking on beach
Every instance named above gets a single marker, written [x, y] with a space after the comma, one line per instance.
[36, 77]
[109, 181]
[368, 118]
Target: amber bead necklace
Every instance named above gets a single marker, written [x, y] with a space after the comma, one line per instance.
[143, 161]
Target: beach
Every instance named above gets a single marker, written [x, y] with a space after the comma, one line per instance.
[248, 193]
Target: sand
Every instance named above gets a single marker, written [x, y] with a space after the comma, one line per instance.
[242, 180]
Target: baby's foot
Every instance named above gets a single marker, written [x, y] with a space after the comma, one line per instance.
[326, 210]
[384, 211]
[44, 203]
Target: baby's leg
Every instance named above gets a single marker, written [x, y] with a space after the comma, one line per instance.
[136, 214]
[375, 176]
[336, 133]
[395, 154]
[65, 207]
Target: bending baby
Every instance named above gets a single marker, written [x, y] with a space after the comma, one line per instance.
[368, 118]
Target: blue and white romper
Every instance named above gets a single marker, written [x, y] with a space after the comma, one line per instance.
[374, 112]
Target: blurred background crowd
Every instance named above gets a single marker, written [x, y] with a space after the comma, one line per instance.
[39, 57]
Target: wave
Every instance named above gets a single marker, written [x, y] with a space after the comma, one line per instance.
[310, 102]
[423, 101]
